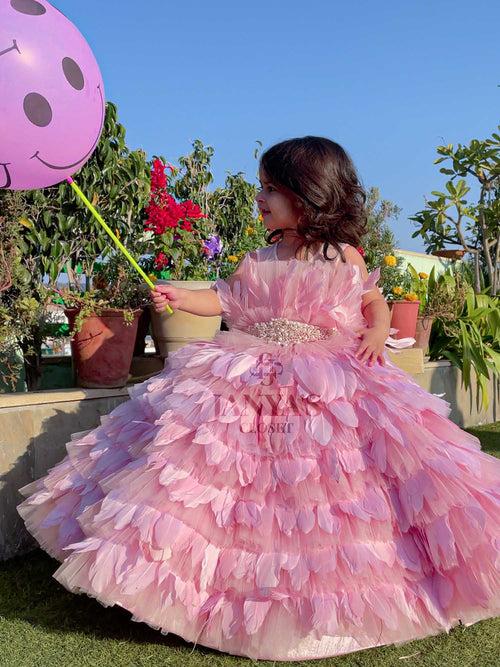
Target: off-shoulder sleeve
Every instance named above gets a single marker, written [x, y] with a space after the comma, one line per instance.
[225, 287]
[372, 280]
[224, 293]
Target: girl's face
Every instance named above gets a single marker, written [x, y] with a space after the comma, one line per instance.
[278, 210]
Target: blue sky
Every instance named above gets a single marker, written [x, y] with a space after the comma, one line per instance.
[389, 81]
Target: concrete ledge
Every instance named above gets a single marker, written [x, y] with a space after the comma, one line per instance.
[441, 377]
[410, 359]
[52, 396]
[34, 430]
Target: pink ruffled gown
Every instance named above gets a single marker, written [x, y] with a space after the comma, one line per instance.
[269, 495]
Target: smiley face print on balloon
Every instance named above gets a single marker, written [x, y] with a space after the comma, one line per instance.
[51, 96]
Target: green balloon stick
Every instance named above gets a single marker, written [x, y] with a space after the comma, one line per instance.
[116, 240]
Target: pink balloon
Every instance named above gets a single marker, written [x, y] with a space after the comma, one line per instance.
[51, 96]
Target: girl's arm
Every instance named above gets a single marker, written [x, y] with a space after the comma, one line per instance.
[205, 302]
[200, 302]
[375, 310]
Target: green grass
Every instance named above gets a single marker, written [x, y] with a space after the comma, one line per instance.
[41, 625]
[489, 434]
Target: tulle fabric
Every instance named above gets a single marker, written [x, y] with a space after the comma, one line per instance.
[280, 503]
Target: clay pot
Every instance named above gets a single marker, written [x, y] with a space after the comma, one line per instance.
[404, 317]
[102, 351]
[172, 331]
[423, 332]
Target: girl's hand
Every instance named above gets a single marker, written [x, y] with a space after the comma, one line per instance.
[166, 294]
[372, 345]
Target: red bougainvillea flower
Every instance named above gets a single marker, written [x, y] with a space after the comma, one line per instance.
[163, 211]
[361, 251]
[158, 176]
[161, 261]
[191, 210]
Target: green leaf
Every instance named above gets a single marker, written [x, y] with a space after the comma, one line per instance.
[466, 354]
[451, 188]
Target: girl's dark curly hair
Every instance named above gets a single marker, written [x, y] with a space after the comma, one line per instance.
[320, 177]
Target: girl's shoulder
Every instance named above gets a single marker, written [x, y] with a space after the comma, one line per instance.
[332, 252]
[259, 254]
[266, 252]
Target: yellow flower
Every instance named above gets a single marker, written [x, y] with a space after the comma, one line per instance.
[260, 217]
[397, 290]
[249, 230]
[423, 275]
[152, 277]
[232, 258]
[390, 260]
[117, 233]
[411, 296]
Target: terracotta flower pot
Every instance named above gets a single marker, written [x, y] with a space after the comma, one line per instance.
[423, 332]
[102, 350]
[404, 317]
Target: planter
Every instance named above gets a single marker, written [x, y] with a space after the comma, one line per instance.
[423, 332]
[450, 254]
[404, 317]
[171, 332]
[102, 351]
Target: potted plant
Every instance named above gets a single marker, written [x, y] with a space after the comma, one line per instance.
[422, 285]
[10, 359]
[184, 249]
[402, 301]
[58, 234]
[103, 322]
[466, 331]
[21, 310]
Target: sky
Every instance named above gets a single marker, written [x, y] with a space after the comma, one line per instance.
[389, 81]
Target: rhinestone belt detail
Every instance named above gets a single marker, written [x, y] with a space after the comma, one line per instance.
[285, 332]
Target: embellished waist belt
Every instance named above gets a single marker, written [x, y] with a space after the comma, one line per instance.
[284, 331]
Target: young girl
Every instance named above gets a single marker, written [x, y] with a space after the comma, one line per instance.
[283, 491]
